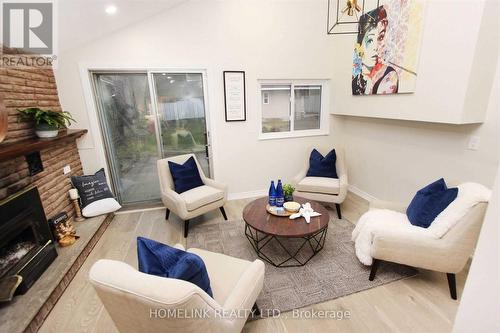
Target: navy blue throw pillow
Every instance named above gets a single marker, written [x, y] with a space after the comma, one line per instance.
[429, 202]
[162, 260]
[186, 176]
[320, 166]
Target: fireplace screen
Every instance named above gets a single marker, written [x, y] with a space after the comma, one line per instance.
[26, 243]
[13, 253]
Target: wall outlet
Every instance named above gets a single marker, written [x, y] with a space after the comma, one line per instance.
[474, 142]
[66, 169]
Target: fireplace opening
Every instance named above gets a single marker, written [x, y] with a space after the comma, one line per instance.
[27, 247]
[16, 251]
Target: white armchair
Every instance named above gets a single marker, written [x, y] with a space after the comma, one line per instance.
[331, 190]
[447, 254]
[194, 202]
[139, 302]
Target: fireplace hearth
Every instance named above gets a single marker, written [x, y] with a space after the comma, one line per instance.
[27, 247]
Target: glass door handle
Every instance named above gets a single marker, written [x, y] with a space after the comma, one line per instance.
[206, 151]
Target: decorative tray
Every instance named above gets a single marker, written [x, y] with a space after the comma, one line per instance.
[272, 210]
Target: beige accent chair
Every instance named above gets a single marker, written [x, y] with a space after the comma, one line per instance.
[448, 254]
[194, 202]
[139, 302]
[330, 190]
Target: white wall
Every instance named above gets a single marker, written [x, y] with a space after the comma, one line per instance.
[454, 73]
[391, 159]
[267, 39]
[273, 39]
[480, 302]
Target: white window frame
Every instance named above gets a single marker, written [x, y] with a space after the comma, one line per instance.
[265, 98]
[324, 123]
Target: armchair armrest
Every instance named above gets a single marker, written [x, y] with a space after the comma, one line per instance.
[173, 201]
[247, 288]
[301, 175]
[417, 249]
[179, 246]
[381, 204]
[344, 186]
[217, 185]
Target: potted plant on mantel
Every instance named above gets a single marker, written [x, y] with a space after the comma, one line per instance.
[47, 122]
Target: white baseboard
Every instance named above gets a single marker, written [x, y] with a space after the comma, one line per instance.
[138, 210]
[368, 197]
[246, 195]
[259, 193]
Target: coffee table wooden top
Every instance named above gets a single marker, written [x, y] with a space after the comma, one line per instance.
[257, 217]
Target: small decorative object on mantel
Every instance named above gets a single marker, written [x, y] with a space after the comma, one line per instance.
[64, 231]
[47, 122]
[234, 95]
[73, 195]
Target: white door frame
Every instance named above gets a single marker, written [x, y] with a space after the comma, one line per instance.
[205, 102]
[94, 129]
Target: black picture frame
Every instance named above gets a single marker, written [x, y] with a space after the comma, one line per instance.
[244, 96]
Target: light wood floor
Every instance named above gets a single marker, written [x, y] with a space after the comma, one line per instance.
[417, 304]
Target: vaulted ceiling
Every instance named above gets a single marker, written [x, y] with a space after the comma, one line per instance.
[81, 21]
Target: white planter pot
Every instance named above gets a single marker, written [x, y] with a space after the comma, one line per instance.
[46, 134]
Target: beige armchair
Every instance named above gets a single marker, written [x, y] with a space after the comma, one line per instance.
[139, 302]
[331, 190]
[194, 202]
[447, 254]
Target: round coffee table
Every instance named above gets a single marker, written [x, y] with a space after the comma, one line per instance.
[262, 229]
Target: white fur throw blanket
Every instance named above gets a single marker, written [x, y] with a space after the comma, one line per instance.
[387, 222]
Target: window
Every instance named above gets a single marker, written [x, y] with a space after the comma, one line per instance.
[293, 108]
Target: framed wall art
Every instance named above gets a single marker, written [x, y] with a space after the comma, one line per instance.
[234, 96]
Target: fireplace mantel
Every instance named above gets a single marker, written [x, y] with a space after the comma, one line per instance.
[25, 147]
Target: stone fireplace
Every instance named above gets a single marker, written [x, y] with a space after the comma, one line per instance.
[34, 183]
[27, 247]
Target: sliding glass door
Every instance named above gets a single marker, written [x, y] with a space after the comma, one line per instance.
[145, 116]
[181, 113]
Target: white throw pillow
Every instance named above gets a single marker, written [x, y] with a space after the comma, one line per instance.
[99, 207]
[469, 195]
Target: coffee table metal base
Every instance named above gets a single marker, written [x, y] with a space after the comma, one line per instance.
[314, 241]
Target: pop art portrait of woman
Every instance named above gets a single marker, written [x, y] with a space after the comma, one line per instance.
[386, 50]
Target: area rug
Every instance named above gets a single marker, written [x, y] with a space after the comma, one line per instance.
[334, 272]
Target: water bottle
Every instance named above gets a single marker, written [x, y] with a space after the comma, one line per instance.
[272, 194]
[280, 195]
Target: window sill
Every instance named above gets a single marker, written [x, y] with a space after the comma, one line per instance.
[288, 135]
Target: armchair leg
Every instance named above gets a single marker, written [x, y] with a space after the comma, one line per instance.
[373, 271]
[223, 212]
[255, 310]
[452, 284]
[167, 214]
[186, 228]
[339, 213]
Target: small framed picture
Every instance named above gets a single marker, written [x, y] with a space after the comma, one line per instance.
[234, 95]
